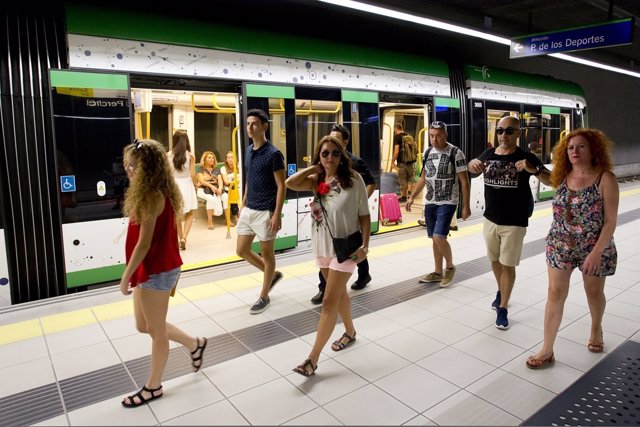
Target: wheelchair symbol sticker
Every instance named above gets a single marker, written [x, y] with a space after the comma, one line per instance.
[68, 183]
[291, 169]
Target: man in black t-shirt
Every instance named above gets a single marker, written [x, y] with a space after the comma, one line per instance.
[342, 133]
[506, 169]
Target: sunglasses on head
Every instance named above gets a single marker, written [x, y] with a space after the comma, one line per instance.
[438, 125]
[334, 153]
[509, 131]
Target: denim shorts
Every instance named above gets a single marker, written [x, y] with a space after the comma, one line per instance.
[438, 219]
[164, 281]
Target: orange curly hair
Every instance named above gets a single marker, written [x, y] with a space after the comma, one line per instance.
[599, 144]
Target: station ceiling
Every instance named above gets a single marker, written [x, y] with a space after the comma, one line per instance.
[513, 18]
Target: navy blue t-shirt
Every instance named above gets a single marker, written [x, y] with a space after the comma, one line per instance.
[261, 184]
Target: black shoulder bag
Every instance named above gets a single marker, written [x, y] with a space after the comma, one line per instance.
[343, 246]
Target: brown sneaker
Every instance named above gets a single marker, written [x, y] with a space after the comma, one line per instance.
[448, 276]
[431, 277]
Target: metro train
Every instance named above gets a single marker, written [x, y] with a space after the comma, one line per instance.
[137, 82]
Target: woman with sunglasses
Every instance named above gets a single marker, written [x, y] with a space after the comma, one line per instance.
[152, 203]
[339, 208]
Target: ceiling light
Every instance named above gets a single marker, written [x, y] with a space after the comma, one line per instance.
[389, 13]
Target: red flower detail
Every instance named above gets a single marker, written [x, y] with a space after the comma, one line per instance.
[323, 188]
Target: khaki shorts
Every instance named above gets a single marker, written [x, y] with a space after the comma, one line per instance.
[504, 243]
[255, 223]
[406, 174]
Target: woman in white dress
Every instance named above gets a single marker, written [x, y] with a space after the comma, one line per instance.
[210, 187]
[184, 171]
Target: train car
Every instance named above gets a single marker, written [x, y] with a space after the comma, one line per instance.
[138, 82]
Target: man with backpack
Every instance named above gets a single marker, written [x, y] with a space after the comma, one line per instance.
[444, 172]
[404, 156]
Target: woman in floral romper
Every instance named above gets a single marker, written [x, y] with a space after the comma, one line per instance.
[585, 209]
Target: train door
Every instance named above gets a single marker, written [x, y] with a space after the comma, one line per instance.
[413, 114]
[92, 124]
[556, 122]
[280, 105]
[211, 119]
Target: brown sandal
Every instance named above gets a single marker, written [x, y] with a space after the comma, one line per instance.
[302, 369]
[596, 347]
[535, 363]
[339, 345]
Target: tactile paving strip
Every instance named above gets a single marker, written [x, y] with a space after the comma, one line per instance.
[45, 402]
[607, 395]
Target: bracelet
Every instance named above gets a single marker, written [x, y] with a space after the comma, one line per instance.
[365, 249]
[537, 172]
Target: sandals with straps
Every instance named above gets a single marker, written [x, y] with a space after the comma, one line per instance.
[196, 355]
[339, 345]
[131, 403]
[302, 369]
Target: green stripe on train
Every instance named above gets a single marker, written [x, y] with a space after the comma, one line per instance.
[94, 275]
[108, 22]
[79, 79]
[271, 91]
[514, 78]
[281, 243]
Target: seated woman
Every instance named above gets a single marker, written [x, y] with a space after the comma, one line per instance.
[229, 178]
[210, 187]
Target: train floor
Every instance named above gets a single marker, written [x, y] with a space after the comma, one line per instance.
[424, 355]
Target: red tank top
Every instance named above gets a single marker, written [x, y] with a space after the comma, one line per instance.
[163, 254]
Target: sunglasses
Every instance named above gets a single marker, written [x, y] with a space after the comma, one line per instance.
[438, 125]
[508, 131]
[334, 153]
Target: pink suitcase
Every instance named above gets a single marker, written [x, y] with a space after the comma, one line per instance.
[390, 209]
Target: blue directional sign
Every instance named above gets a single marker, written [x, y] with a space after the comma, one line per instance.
[612, 33]
[67, 183]
[291, 168]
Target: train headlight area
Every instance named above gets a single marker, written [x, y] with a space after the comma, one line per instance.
[424, 354]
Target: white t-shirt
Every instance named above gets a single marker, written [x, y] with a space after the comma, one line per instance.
[344, 208]
[441, 183]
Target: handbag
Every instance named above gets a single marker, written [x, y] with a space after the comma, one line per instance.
[207, 190]
[343, 246]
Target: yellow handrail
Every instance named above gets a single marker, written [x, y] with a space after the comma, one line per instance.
[215, 109]
[234, 191]
[387, 167]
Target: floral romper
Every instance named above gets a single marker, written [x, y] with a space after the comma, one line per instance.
[578, 217]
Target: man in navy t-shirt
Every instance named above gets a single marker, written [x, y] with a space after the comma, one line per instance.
[506, 169]
[262, 204]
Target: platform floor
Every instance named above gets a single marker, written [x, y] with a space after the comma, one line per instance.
[424, 355]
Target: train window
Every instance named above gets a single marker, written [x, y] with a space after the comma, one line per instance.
[91, 127]
[212, 132]
[451, 116]
[314, 119]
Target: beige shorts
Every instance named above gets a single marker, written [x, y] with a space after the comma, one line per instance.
[504, 243]
[255, 223]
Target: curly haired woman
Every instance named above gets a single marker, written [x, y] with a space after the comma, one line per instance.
[585, 210]
[152, 203]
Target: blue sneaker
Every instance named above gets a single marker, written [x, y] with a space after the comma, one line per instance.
[501, 321]
[496, 302]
